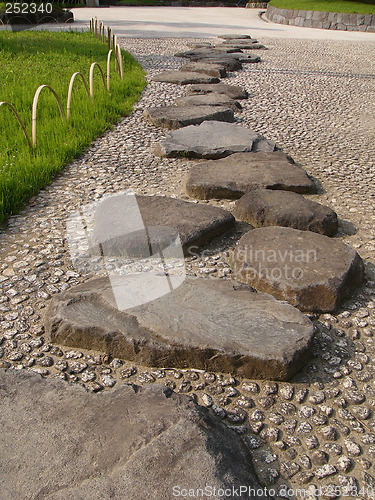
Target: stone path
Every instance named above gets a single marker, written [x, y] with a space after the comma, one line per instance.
[333, 397]
[103, 444]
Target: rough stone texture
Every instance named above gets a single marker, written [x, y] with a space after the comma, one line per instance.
[60, 441]
[235, 46]
[232, 177]
[245, 58]
[174, 117]
[311, 271]
[266, 207]
[184, 77]
[212, 140]
[211, 99]
[204, 323]
[232, 91]
[217, 70]
[322, 20]
[196, 224]
[233, 36]
[229, 62]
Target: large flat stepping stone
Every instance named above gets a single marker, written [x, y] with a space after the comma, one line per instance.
[212, 56]
[311, 271]
[241, 46]
[229, 63]
[232, 177]
[217, 70]
[60, 441]
[233, 36]
[211, 99]
[120, 223]
[238, 41]
[206, 324]
[206, 51]
[174, 117]
[232, 91]
[211, 140]
[184, 77]
[267, 207]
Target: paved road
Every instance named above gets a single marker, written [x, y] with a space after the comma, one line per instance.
[201, 22]
[198, 22]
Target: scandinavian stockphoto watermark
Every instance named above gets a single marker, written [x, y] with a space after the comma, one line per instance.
[272, 264]
[110, 237]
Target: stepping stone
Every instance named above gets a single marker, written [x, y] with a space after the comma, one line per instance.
[232, 177]
[311, 271]
[238, 41]
[61, 441]
[211, 99]
[206, 324]
[212, 139]
[230, 63]
[184, 77]
[242, 46]
[231, 36]
[206, 51]
[212, 56]
[217, 70]
[195, 223]
[195, 45]
[266, 207]
[232, 91]
[174, 117]
[245, 58]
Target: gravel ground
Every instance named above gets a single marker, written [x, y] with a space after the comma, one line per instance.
[316, 99]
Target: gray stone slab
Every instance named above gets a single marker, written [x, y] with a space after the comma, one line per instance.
[232, 177]
[230, 63]
[174, 117]
[267, 207]
[233, 36]
[238, 41]
[211, 140]
[311, 271]
[204, 323]
[59, 441]
[206, 51]
[211, 99]
[184, 77]
[233, 91]
[217, 70]
[195, 223]
[234, 46]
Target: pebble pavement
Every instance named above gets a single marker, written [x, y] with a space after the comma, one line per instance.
[316, 99]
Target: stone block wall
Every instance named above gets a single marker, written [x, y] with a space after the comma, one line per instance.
[322, 20]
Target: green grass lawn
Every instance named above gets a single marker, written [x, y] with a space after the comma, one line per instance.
[345, 6]
[29, 59]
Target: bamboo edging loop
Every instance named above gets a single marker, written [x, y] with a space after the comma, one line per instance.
[4, 103]
[91, 77]
[71, 89]
[35, 104]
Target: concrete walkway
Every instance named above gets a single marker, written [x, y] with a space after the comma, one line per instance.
[201, 22]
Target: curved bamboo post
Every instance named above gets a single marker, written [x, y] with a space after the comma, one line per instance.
[71, 89]
[4, 103]
[92, 77]
[35, 104]
[110, 52]
[109, 37]
[121, 68]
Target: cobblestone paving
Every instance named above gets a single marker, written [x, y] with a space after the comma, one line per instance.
[316, 99]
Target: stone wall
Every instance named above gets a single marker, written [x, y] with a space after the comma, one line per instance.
[325, 20]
